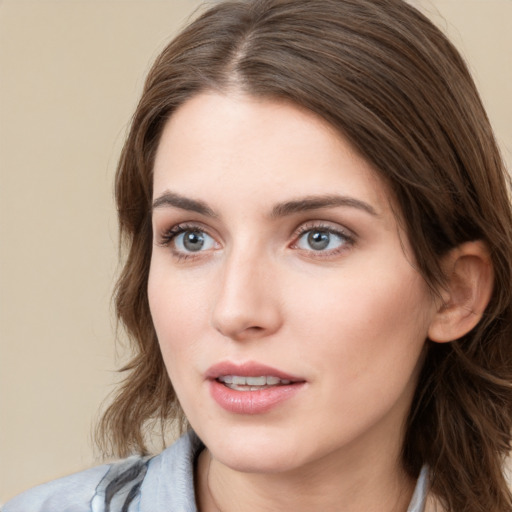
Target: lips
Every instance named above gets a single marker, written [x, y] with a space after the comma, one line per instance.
[251, 388]
[248, 369]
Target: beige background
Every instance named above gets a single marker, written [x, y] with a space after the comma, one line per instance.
[70, 74]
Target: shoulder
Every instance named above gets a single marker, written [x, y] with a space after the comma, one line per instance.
[135, 483]
[72, 493]
[92, 490]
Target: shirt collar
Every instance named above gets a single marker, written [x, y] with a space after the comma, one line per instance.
[170, 477]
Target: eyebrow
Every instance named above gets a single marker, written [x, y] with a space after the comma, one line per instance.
[183, 203]
[171, 199]
[318, 203]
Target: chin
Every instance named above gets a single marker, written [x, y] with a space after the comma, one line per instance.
[254, 460]
[261, 450]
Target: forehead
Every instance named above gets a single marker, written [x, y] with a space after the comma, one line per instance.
[220, 143]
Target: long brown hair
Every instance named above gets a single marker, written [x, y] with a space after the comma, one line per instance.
[394, 86]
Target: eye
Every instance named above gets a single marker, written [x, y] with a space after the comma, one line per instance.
[192, 240]
[187, 240]
[322, 239]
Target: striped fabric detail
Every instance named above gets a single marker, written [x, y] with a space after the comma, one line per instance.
[119, 489]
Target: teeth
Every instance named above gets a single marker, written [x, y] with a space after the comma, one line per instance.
[256, 381]
[251, 383]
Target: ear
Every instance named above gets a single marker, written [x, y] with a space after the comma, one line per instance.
[467, 291]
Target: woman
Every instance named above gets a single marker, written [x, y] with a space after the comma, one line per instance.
[318, 273]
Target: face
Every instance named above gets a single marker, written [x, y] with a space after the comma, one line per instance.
[289, 314]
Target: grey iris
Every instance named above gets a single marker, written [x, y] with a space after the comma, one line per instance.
[193, 241]
[319, 240]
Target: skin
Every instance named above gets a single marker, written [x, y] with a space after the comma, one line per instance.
[350, 319]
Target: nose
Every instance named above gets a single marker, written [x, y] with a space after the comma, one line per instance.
[247, 303]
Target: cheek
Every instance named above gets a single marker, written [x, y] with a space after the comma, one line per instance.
[178, 309]
[365, 348]
[364, 325]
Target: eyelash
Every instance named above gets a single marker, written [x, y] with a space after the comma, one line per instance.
[169, 235]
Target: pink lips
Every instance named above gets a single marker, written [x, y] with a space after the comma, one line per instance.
[252, 401]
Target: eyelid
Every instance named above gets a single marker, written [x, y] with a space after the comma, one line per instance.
[330, 226]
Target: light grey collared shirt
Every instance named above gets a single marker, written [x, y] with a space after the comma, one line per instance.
[164, 483]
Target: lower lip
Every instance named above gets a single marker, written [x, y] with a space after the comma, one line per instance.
[252, 402]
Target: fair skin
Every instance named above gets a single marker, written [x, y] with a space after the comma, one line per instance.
[275, 244]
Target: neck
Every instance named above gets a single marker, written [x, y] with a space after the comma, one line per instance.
[370, 485]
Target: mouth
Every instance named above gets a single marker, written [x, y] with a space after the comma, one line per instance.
[251, 388]
[250, 375]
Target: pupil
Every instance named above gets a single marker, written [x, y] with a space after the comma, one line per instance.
[318, 240]
[193, 241]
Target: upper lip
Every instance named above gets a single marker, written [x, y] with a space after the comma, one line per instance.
[248, 369]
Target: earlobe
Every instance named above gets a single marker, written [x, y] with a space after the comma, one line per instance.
[467, 291]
